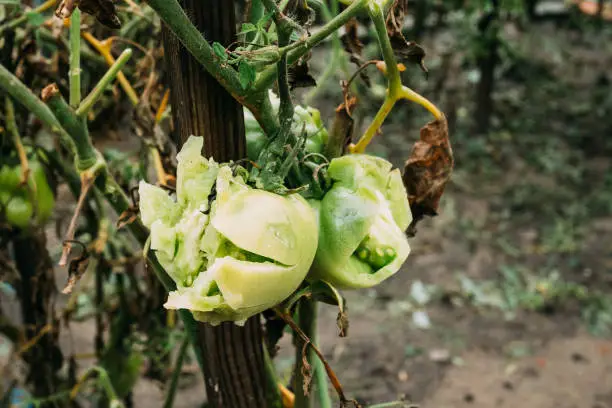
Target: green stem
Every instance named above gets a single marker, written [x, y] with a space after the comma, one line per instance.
[307, 320]
[104, 82]
[171, 12]
[300, 48]
[285, 113]
[320, 376]
[395, 89]
[272, 393]
[178, 367]
[393, 74]
[75, 58]
[22, 94]
[86, 155]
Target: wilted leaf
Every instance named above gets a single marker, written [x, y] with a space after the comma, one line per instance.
[127, 217]
[404, 50]
[341, 133]
[354, 47]
[274, 330]
[103, 10]
[428, 170]
[300, 12]
[327, 293]
[76, 269]
[306, 370]
[409, 51]
[299, 75]
[396, 17]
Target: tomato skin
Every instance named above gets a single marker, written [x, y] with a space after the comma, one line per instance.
[362, 219]
[17, 206]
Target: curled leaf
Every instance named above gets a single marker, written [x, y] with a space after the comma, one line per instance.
[428, 170]
[299, 75]
[409, 51]
[354, 47]
[405, 50]
[341, 133]
[127, 217]
[103, 10]
[76, 269]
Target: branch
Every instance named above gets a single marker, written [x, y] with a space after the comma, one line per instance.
[22, 94]
[86, 155]
[395, 89]
[100, 87]
[285, 29]
[11, 127]
[75, 58]
[286, 316]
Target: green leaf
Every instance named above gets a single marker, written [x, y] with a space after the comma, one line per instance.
[35, 19]
[247, 74]
[220, 51]
[248, 28]
[9, 2]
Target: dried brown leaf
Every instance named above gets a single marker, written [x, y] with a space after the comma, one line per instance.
[103, 10]
[395, 18]
[306, 369]
[76, 269]
[127, 217]
[354, 47]
[342, 321]
[299, 75]
[341, 132]
[405, 50]
[300, 12]
[409, 51]
[428, 170]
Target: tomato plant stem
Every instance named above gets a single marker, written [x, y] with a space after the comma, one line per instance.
[11, 127]
[104, 82]
[75, 59]
[104, 48]
[395, 89]
[22, 94]
[176, 373]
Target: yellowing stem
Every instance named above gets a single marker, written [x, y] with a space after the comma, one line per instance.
[395, 89]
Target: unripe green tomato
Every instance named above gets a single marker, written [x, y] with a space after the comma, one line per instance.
[17, 204]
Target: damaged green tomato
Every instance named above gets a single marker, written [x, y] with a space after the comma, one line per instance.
[232, 250]
[362, 220]
[306, 120]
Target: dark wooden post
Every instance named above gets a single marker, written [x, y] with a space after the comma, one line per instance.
[233, 356]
